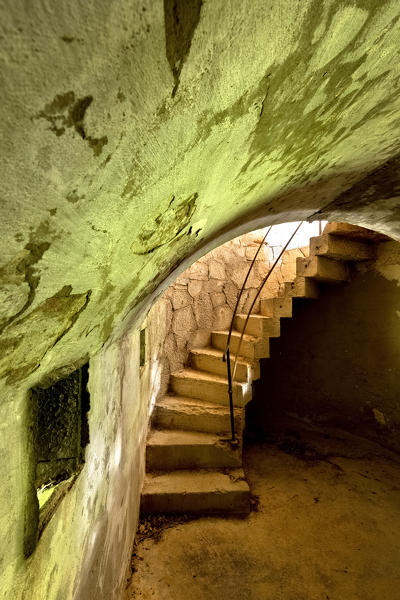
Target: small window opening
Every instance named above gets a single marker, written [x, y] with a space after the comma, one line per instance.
[60, 433]
[142, 347]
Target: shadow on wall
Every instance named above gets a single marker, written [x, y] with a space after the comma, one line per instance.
[337, 361]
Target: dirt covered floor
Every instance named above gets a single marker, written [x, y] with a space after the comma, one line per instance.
[325, 526]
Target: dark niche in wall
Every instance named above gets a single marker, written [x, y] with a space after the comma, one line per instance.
[59, 434]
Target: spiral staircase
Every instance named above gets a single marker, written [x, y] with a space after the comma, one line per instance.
[191, 466]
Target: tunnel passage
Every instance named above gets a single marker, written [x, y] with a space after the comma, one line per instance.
[135, 139]
[337, 363]
[337, 366]
[194, 429]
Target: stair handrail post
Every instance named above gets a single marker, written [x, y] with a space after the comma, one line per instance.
[226, 354]
[230, 393]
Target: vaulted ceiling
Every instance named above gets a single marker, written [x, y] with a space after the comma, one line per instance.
[135, 134]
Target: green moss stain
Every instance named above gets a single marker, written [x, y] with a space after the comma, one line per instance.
[301, 101]
[74, 197]
[67, 111]
[76, 114]
[47, 324]
[54, 112]
[181, 19]
[20, 273]
[164, 227]
[382, 183]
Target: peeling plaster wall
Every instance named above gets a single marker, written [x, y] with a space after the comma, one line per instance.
[337, 361]
[85, 549]
[137, 136]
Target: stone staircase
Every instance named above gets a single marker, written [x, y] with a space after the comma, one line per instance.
[191, 466]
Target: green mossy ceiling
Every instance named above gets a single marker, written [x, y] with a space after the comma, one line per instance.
[135, 133]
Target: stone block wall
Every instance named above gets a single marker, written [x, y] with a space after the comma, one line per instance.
[203, 298]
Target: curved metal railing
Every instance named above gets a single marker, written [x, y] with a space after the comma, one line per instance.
[244, 285]
[226, 355]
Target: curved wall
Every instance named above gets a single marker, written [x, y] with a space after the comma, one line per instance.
[132, 145]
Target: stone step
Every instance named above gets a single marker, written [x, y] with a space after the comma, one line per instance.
[258, 325]
[322, 269]
[209, 387]
[210, 360]
[201, 492]
[276, 307]
[354, 232]
[341, 248]
[251, 347]
[179, 412]
[172, 449]
[301, 287]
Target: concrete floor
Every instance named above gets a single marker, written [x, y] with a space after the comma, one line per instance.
[327, 527]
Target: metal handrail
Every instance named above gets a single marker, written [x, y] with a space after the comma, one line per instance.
[226, 355]
[243, 286]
